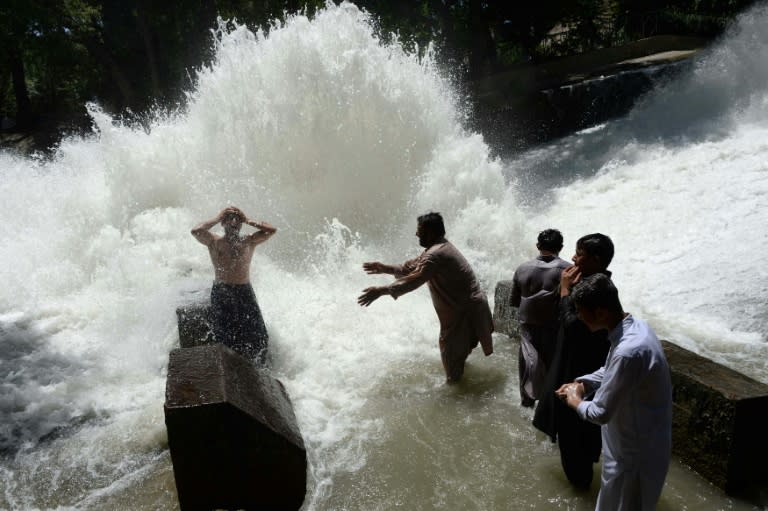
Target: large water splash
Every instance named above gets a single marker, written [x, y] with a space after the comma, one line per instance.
[339, 141]
[681, 184]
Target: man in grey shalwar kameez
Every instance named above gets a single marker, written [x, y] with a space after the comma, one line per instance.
[461, 306]
[535, 294]
[632, 402]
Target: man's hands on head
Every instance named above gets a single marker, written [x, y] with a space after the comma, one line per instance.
[232, 210]
[243, 218]
[263, 226]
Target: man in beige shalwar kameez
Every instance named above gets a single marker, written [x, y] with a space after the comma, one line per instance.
[461, 306]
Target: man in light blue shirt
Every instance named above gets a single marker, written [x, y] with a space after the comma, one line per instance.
[632, 401]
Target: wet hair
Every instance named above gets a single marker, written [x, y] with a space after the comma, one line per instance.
[597, 245]
[232, 214]
[596, 291]
[433, 222]
[550, 240]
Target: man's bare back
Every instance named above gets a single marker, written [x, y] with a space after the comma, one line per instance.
[231, 254]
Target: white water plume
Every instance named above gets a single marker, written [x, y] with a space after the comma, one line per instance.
[339, 141]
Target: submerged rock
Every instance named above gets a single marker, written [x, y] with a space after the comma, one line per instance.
[194, 322]
[717, 422]
[504, 315]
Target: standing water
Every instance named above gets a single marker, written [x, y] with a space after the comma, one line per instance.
[340, 141]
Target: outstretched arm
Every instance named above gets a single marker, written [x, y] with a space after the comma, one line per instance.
[411, 281]
[371, 294]
[423, 272]
[374, 268]
[202, 231]
[398, 270]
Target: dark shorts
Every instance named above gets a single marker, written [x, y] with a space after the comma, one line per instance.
[237, 321]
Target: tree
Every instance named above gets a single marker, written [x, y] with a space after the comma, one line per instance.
[14, 32]
[133, 55]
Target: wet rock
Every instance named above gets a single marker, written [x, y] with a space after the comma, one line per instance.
[194, 325]
[504, 315]
[232, 433]
[718, 425]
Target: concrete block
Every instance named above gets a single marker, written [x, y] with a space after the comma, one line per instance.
[194, 325]
[718, 423]
[232, 434]
[504, 315]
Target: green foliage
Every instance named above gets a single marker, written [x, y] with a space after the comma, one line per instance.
[131, 55]
[707, 18]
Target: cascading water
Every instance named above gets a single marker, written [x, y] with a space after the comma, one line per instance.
[681, 185]
[340, 141]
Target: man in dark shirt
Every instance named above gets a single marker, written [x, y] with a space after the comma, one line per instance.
[578, 352]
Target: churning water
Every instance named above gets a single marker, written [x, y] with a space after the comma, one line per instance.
[340, 141]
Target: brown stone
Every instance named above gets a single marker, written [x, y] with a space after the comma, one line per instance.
[504, 315]
[194, 325]
[717, 422]
[232, 433]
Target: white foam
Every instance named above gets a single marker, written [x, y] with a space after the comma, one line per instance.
[339, 141]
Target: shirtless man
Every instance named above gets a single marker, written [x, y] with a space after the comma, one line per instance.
[235, 314]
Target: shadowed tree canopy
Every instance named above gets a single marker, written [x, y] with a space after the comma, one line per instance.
[133, 55]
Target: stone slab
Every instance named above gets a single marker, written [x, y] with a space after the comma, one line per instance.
[504, 315]
[232, 433]
[194, 325]
[718, 425]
